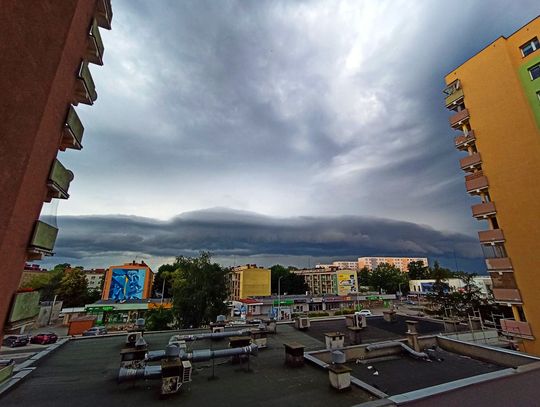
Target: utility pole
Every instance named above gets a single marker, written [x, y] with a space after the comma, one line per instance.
[279, 297]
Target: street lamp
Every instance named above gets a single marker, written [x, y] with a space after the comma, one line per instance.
[279, 297]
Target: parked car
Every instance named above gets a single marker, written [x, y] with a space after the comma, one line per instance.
[95, 330]
[365, 312]
[44, 338]
[409, 302]
[15, 340]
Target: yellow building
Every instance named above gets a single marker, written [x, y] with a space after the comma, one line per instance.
[249, 281]
[495, 99]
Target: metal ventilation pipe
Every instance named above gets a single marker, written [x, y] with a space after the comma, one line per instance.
[216, 335]
[408, 349]
[154, 372]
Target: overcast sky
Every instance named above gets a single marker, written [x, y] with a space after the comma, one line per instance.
[265, 131]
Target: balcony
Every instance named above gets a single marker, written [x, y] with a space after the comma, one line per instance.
[59, 180]
[507, 295]
[491, 236]
[476, 182]
[73, 131]
[483, 210]
[450, 99]
[85, 90]
[463, 141]
[42, 242]
[104, 14]
[95, 49]
[470, 162]
[458, 118]
[516, 328]
[499, 264]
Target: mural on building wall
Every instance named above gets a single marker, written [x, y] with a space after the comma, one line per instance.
[347, 283]
[127, 284]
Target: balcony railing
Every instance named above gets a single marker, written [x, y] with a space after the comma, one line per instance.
[491, 236]
[95, 47]
[456, 119]
[516, 328]
[470, 162]
[483, 210]
[458, 94]
[476, 183]
[461, 142]
[73, 131]
[85, 89]
[104, 14]
[499, 264]
[507, 294]
[59, 180]
[43, 240]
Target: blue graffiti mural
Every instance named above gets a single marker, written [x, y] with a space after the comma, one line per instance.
[127, 284]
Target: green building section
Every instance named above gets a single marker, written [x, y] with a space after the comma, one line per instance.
[531, 87]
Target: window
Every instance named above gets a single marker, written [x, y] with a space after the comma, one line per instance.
[529, 47]
[494, 251]
[534, 71]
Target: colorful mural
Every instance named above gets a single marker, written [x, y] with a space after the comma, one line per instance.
[347, 282]
[127, 284]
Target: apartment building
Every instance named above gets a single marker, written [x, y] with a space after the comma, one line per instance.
[94, 278]
[332, 280]
[249, 281]
[495, 102]
[47, 47]
[401, 263]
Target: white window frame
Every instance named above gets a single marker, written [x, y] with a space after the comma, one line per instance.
[533, 45]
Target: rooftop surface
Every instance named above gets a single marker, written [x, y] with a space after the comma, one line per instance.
[377, 328]
[83, 373]
[403, 374]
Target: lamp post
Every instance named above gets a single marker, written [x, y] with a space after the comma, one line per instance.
[279, 297]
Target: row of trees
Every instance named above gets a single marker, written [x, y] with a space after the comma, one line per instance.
[68, 284]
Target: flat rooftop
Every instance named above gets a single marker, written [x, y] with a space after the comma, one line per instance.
[83, 373]
[377, 328]
[402, 374]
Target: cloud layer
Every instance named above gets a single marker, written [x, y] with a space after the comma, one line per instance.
[229, 233]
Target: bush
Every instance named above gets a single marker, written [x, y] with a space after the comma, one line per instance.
[158, 319]
[318, 314]
[346, 311]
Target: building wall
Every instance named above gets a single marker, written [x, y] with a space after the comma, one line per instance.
[42, 47]
[249, 281]
[132, 268]
[94, 279]
[502, 116]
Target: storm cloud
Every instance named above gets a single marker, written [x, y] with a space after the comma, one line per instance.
[228, 233]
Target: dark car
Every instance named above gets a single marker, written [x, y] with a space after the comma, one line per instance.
[15, 340]
[44, 338]
[96, 330]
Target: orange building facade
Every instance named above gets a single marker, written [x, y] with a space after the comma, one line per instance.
[495, 99]
[46, 49]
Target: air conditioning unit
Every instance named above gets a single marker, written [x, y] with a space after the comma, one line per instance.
[132, 338]
[302, 323]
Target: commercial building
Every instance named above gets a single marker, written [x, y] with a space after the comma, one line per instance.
[47, 47]
[423, 287]
[130, 281]
[495, 99]
[332, 280]
[249, 281]
[401, 263]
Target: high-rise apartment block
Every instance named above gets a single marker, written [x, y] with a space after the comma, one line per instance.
[495, 99]
[46, 47]
[401, 263]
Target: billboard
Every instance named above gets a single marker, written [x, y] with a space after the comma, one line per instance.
[127, 284]
[25, 305]
[347, 282]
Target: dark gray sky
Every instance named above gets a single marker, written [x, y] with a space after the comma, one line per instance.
[278, 130]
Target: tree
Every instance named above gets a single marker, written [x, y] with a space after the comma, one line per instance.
[200, 289]
[290, 283]
[159, 319]
[73, 288]
[363, 277]
[47, 283]
[165, 272]
[387, 277]
[417, 270]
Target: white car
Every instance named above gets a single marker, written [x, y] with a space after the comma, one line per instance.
[364, 312]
